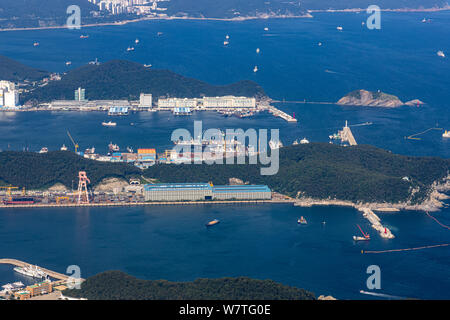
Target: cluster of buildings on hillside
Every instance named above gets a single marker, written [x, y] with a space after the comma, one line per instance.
[139, 7]
[9, 95]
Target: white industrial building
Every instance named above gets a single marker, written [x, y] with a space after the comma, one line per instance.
[229, 102]
[177, 103]
[145, 100]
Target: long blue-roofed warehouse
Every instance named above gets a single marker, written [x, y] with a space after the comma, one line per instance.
[204, 191]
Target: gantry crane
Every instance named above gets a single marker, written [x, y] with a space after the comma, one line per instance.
[73, 141]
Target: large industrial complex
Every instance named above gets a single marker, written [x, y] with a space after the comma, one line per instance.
[205, 191]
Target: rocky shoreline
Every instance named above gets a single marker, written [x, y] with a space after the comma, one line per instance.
[434, 202]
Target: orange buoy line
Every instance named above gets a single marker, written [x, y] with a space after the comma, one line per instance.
[441, 224]
[408, 249]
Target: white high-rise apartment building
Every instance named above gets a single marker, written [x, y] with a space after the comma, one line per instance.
[9, 96]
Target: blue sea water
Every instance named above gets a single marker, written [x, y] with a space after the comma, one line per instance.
[258, 241]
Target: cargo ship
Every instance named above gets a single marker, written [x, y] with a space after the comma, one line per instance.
[212, 223]
[31, 272]
[21, 200]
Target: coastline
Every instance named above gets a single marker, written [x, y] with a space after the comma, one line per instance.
[308, 14]
[433, 9]
[124, 22]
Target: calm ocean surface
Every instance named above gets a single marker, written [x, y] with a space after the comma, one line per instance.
[257, 241]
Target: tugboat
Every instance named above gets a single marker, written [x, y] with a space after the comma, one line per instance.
[366, 237]
[212, 223]
[302, 220]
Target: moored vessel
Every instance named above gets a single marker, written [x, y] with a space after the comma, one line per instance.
[31, 271]
[446, 134]
[365, 237]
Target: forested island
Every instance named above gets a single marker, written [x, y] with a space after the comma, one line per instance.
[317, 170]
[12, 70]
[117, 285]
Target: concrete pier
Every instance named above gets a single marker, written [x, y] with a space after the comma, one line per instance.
[347, 135]
[53, 274]
[283, 115]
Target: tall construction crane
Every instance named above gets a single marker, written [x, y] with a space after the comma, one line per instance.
[73, 141]
[8, 192]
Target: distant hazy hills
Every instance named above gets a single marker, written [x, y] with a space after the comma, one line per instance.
[119, 79]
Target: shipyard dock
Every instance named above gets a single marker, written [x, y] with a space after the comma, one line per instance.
[53, 274]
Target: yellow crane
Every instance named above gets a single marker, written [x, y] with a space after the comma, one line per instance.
[9, 191]
[73, 141]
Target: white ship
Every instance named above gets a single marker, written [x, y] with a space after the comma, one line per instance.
[147, 65]
[90, 151]
[84, 36]
[63, 148]
[446, 134]
[304, 141]
[31, 272]
[340, 28]
[109, 124]
[225, 43]
[319, 44]
[68, 63]
[130, 49]
[275, 144]
[36, 44]
[441, 54]
[255, 69]
[257, 50]
[266, 29]
[136, 41]
[44, 150]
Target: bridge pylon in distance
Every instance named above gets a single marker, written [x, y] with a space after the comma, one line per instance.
[83, 195]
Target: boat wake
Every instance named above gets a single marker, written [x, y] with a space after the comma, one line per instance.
[382, 295]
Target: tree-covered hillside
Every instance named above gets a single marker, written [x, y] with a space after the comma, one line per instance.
[321, 170]
[36, 171]
[12, 70]
[119, 79]
[116, 285]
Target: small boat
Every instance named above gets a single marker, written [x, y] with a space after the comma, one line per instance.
[147, 65]
[295, 143]
[68, 63]
[109, 124]
[446, 134]
[304, 141]
[266, 29]
[441, 54]
[130, 49]
[340, 28]
[255, 69]
[159, 33]
[366, 237]
[257, 50]
[36, 44]
[136, 41]
[94, 62]
[130, 150]
[84, 36]
[63, 148]
[319, 44]
[225, 43]
[44, 150]
[212, 223]
[302, 220]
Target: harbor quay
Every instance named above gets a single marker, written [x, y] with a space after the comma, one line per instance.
[43, 289]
